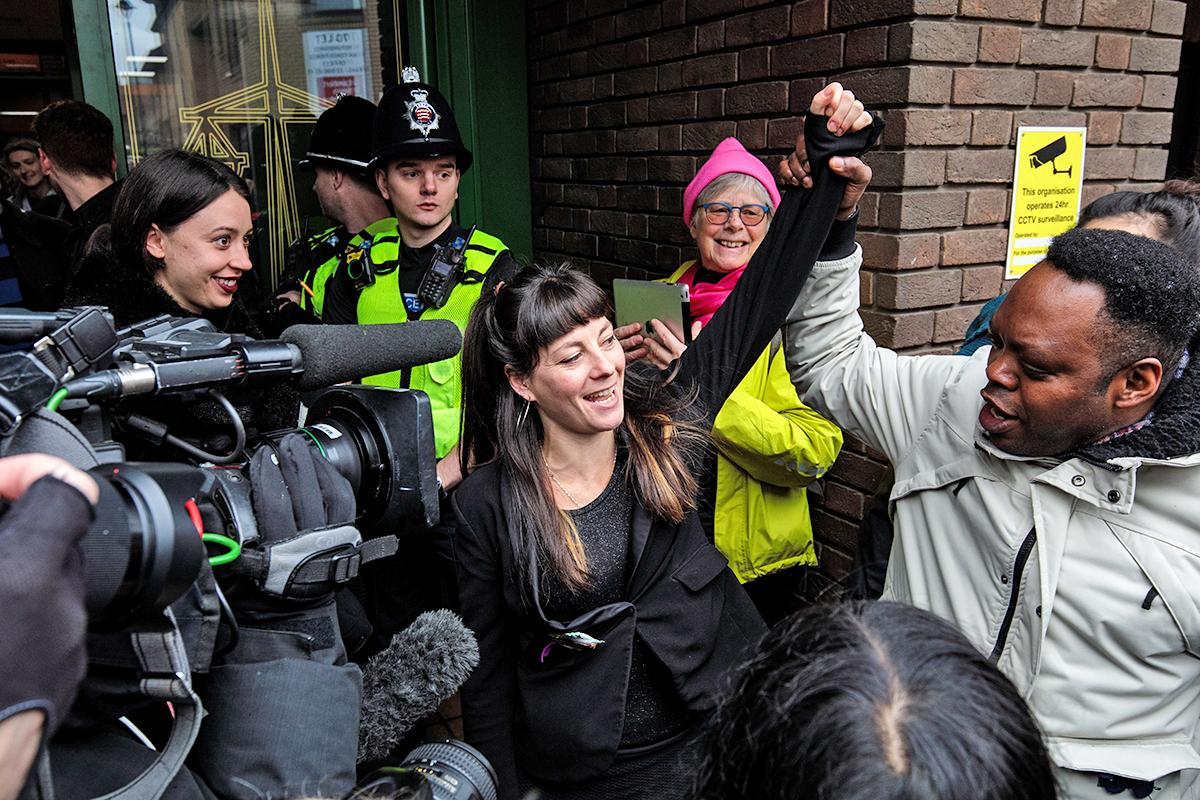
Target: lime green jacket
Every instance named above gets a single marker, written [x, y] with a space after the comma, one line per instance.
[770, 446]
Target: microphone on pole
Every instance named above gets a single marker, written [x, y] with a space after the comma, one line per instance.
[425, 663]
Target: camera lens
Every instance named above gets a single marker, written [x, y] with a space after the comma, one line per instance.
[143, 551]
[446, 770]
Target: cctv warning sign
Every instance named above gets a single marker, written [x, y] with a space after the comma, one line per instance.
[1047, 187]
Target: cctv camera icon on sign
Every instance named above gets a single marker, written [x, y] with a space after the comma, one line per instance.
[1048, 154]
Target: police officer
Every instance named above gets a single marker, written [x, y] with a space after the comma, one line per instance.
[418, 158]
[338, 154]
[442, 268]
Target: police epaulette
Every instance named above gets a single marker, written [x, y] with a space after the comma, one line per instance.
[487, 251]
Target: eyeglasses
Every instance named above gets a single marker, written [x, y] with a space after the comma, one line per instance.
[718, 213]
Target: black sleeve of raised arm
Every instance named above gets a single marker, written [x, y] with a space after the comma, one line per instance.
[759, 304]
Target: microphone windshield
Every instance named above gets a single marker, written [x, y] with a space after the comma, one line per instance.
[425, 663]
[335, 354]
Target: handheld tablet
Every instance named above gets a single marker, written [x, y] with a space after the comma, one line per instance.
[642, 301]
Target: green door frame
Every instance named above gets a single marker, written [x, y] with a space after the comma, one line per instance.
[98, 73]
[474, 52]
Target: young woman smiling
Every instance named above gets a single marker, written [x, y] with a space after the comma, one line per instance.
[179, 245]
[606, 618]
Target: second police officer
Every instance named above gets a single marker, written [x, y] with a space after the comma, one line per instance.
[339, 154]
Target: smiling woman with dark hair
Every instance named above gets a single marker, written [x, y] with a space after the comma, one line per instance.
[179, 244]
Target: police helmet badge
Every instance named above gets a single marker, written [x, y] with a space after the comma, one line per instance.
[422, 116]
[410, 75]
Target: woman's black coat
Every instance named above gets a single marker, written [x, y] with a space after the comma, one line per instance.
[561, 718]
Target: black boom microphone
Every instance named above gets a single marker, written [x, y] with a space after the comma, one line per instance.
[334, 354]
[425, 663]
[307, 356]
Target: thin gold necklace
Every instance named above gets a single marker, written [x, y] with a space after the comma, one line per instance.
[562, 488]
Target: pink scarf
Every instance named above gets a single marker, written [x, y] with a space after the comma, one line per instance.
[708, 297]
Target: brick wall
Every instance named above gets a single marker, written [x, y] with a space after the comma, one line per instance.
[628, 97]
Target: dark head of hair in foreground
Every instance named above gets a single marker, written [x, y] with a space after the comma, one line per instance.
[1173, 212]
[872, 701]
[1152, 294]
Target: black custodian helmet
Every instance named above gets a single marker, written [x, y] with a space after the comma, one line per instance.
[342, 136]
[415, 120]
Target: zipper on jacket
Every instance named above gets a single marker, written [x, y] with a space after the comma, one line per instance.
[1014, 590]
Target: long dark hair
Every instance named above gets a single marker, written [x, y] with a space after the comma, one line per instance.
[872, 701]
[165, 189]
[509, 328]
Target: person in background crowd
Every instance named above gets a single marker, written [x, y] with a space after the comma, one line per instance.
[77, 155]
[605, 616]
[872, 701]
[34, 192]
[1045, 492]
[770, 445]
[1171, 215]
[33, 273]
[338, 155]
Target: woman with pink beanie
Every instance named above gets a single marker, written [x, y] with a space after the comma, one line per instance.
[770, 446]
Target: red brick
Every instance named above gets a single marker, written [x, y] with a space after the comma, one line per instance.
[809, 17]
[707, 70]
[891, 85]
[754, 63]
[897, 331]
[1107, 90]
[974, 246]
[979, 166]
[1150, 165]
[1094, 191]
[801, 92]
[710, 36]
[924, 40]
[866, 288]
[843, 500]
[853, 13]
[857, 470]
[710, 103]
[838, 532]
[928, 127]
[707, 135]
[698, 9]
[1146, 127]
[892, 251]
[982, 283]
[921, 210]
[1112, 51]
[987, 206]
[1104, 127]
[752, 133]
[1109, 163]
[893, 169]
[977, 86]
[1050, 119]
[633, 140]
[782, 132]
[1054, 88]
[866, 46]
[764, 99]
[818, 54]
[1058, 48]
[868, 210]
[999, 44]
[991, 128]
[643, 80]
[1160, 91]
[765, 25]
[1168, 17]
[638, 20]
[671, 107]
[671, 45]
[1154, 55]
[950, 324]
[1026, 10]
[1063, 12]
[1132, 14]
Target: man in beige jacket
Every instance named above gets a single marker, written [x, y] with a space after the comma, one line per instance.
[1047, 491]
